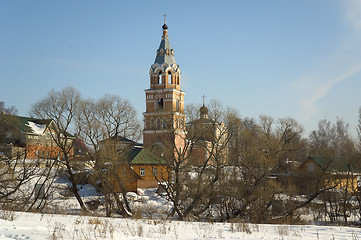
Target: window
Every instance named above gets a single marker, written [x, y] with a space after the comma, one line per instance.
[181, 123]
[142, 172]
[169, 78]
[152, 123]
[164, 123]
[159, 124]
[177, 105]
[158, 77]
[160, 103]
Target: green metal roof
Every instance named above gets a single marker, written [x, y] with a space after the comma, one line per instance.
[336, 164]
[22, 123]
[141, 156]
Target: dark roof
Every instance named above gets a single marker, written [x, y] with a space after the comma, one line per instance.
[121, 139]
[165, 58]
[203, 110]
[333, 164]
[22, 123]
[141, 156]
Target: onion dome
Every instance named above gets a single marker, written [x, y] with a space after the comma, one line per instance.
[203, 112]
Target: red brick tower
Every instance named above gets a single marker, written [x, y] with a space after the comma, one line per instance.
[164, 119]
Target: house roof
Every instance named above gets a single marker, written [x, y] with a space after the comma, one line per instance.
[123, 140]
[125, 167]
[26, 124]
[333, 164]
[141, 156]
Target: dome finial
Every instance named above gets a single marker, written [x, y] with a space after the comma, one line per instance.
[203, 111]
[165, 27]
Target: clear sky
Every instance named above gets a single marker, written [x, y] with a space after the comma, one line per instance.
[299, 59]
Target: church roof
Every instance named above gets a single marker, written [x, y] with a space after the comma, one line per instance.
[162, 56]
[165, 54]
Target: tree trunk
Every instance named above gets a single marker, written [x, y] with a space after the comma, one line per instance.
[74, 188]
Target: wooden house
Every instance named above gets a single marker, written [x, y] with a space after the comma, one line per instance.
[125, 178]
[134, 159]
[29, 138]
[150, 167]
[327, 172]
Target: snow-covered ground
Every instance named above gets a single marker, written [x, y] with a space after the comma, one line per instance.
[46, 226]
[148, 205]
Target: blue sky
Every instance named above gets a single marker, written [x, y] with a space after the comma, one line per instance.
[299, 59]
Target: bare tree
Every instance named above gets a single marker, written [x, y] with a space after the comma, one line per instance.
[333, 141]
[196, 162]
[15, 173]
[7, 110]
[258, 149]
[62, 107]
[103, 125]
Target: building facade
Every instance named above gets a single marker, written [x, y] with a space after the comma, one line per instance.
[29, 138]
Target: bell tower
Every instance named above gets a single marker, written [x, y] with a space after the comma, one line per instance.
[164, 119]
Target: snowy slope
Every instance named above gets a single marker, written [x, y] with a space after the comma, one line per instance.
[44, 226]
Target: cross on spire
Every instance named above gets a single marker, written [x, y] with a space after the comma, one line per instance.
[204, 97]
[165, 16]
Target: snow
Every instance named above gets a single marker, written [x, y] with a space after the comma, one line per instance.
[46, 226]
[151, 209]
[37, 128]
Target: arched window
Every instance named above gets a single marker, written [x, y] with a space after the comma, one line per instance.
[177, 105]
[159, 124]
[169, 77]
[182, 123]
[159, 104]
[176, 123]
[152, 123]
[159, 77]
[164, 123]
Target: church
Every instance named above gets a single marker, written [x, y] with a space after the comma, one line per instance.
[166, 134]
